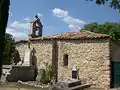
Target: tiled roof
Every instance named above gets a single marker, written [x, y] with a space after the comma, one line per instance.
[74, 35]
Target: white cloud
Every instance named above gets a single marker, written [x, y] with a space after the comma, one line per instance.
[74, 27]
[23, 25]
[17, 34]
[75, 21]
[20, 29]
[59, 12]
[39, 14]
[74, 24]
[27, 19]
[17, 24]
[10, 13]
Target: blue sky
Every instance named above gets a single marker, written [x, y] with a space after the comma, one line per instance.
[57, 16]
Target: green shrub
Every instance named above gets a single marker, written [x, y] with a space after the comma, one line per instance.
[47, 75]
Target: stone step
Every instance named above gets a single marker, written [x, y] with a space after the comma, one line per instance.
[75, 83]
[80, 87]
[70, 83]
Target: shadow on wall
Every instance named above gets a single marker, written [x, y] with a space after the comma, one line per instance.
[34, 61]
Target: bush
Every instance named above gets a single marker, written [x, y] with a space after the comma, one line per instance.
[47, 75]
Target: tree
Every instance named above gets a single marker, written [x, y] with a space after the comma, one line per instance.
[115, 4]
[112, 29]
[4, 10]
[15, 57]
[10, 54]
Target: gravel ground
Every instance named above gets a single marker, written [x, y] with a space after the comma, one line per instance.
[17, 86]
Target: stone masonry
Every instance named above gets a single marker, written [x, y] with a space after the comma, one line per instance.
[43, 52]
[90, 52]
[91, 58]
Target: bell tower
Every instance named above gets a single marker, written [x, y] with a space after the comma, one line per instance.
[36, 28]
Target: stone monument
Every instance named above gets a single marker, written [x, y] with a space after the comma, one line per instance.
[24, 71]
[27, 58]
[75, 73]
[36, 26]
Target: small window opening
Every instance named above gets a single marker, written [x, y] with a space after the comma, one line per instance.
[65, 60]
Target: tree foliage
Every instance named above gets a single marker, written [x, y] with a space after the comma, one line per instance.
[10, 54]
[115, 4]
[110, 28]
[4, 10]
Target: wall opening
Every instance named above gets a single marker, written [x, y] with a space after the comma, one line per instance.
[65, 60]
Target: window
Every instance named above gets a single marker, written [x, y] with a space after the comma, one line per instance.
[65, 60]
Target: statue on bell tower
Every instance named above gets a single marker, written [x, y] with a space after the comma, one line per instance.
[36, 26]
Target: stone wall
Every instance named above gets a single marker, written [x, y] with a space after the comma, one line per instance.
[91, 58]
[21, 47]
[43, 52]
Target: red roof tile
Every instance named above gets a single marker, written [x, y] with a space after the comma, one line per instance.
[75, 35]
